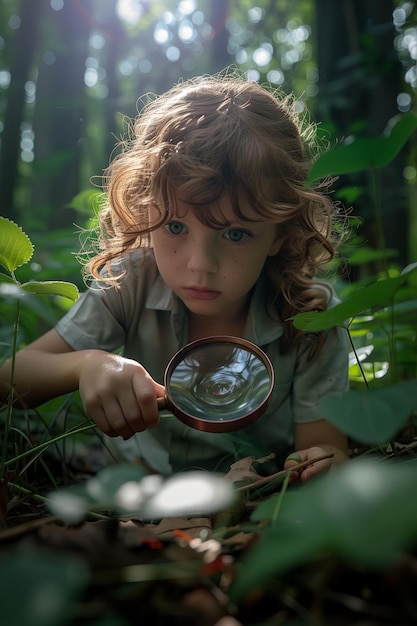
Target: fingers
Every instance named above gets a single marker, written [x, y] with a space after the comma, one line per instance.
[319, 467]
[110, 419]
[143, 388]
[311, 470]
[121, 398]
[127, 414]
[122, 418]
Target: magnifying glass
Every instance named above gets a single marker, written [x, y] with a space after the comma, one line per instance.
[218, 384]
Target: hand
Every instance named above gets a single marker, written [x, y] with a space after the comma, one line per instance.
[310, 471]
[118, 394]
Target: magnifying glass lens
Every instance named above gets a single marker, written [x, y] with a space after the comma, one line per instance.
[221, 388]
[219, 381]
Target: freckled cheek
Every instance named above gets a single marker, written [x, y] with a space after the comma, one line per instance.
[174, 260]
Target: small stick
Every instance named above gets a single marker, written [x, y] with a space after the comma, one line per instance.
[267, 479]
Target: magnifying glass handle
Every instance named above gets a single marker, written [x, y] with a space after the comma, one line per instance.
[162, 403]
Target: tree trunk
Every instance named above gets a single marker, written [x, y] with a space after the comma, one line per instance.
[359, 81]
[23, 47]
[219, 55]
[59, 116]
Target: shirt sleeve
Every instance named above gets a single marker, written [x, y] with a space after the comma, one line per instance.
[325, 373]
[92, 323]
[104, 314]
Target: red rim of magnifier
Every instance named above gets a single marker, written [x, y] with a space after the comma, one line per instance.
[209, 425]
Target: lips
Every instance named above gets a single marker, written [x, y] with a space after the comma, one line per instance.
[198, 293]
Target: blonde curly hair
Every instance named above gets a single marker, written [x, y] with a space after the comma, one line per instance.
[224, 135]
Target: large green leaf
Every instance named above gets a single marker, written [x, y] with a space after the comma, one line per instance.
[52, 288]
[364, 154]
[380, 293]
[363, 512]
[371, 416]
[15, 246]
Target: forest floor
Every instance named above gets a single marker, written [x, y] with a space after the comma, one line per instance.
[162, 573]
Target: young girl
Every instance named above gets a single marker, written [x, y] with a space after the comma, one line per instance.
[209, 229]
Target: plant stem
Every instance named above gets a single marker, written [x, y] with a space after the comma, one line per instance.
[7, 426]
[45, 500]
[352, 345]
[46, 444]
[280, 498]
[392, 348]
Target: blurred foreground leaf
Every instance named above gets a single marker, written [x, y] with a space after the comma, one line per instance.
[363, 513]
[38, 588]
[130, 492]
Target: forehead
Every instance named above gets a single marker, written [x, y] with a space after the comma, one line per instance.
[227, 209]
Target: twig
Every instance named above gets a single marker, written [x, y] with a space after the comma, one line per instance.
[23, 529]
[268, 479]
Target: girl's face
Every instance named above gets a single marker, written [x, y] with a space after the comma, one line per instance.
[213, 270]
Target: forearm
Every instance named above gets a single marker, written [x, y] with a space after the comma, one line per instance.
[323, 435]
[40, 376]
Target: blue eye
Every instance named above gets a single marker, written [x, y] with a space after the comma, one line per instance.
[236, 235]
[175, 228]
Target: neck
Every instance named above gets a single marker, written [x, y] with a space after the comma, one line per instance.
[200, 326]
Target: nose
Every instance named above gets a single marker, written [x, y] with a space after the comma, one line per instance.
[203, 256]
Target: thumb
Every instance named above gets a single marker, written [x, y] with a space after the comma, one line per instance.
[293, 459]
[160, 390]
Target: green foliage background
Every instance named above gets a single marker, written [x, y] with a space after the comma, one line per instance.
[69, 74]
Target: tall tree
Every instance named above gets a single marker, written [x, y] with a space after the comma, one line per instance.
[219, 11]
[360, 78]
[60, 112]
[23, 47]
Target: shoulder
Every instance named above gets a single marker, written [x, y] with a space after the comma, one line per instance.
[133, 270]
[136, 264]
[329, 291]
[134, 275]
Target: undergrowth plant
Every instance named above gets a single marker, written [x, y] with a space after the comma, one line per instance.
[363, 513]
[16, 249]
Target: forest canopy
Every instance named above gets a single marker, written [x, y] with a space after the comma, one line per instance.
[72, 73]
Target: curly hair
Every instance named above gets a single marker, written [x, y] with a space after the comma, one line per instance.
[220, 135]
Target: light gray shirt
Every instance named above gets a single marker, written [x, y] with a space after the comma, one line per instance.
[145, 321]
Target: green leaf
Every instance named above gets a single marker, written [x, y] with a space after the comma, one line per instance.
[47, 584]
[363, 512]
[15, 246]
[52, 288]
[367, 255]
[364, 154]
[5, 278]
[86, 201]
[380, 293]
[410, 268]
[371, 416]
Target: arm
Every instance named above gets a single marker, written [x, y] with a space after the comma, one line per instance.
[313, 439]
[43, 370]
[117, 393]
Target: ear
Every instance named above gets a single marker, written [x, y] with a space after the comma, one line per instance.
[275, 246]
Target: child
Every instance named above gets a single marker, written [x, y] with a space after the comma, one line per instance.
[209, 229]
